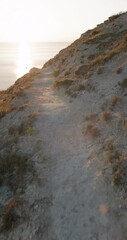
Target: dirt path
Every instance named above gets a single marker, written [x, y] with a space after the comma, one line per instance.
[83, 206]
[72, 200]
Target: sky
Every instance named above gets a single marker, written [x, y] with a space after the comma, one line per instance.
[53, 20]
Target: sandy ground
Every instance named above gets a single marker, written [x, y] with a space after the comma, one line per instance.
[73, 200]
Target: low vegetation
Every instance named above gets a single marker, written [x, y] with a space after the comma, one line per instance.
[92, 131]
[87, 86]
[13, 92]
[119, 45]
[115, 16]
[119, 70]
[115, 158]
[125, 124]
[25, 127]
[91, 117]
[123, 84]
[82, 69]
[3, 113]
[81, 87]
[11, 214]
[13, 168]
[114, 101]
[99, 70]
[56, 73]
[64, 82]
[105, 116]
[88, 74]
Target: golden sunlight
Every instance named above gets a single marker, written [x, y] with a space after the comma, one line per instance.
[24, 61]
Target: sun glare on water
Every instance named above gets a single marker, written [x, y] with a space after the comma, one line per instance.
[24, 61]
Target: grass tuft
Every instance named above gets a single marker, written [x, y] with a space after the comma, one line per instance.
[115, 16]
[64, 82]
[114, 157]
[10, 215]
[56, 73]
[92, 131]
[119, 70]
[113, 102]
[105, 116]
[123, 84]
[13, 168]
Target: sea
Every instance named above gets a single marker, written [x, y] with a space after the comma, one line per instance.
[16, 59]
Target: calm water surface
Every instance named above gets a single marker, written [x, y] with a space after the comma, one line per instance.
[18, 58]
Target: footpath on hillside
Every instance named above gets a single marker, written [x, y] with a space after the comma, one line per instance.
[69, 198]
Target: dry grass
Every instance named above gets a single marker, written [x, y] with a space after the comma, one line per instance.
[5, 106]
[119, 45]
[88, 74]
[119, 70]
[105, 116]
[95, 32]
[125, 124]
[91, 57]
[115, 158]
[87, 86]
[104, 106]
[82, 61]
[92, 131]
[82, 69]
[71, 93]
[97, 38]
[11, 214]
[64, 82]
[2, 114]
[91, 117]
[23, 127]
[32, 116]
[113, 102]
[19, 130]
[22, 107]
[56, 73]
[101, 59]
[99, 70]
[34, 71]
[110, 152]
[123, 84]
[31, 131]
[115, 16]
[13, 168]
[81, 87]
[15, 91]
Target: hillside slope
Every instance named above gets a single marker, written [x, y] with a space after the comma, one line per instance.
[63, 154]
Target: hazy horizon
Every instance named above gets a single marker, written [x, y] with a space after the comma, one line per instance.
[18, 59]
[56, 21]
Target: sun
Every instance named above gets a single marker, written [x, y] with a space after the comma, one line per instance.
[24, 60]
